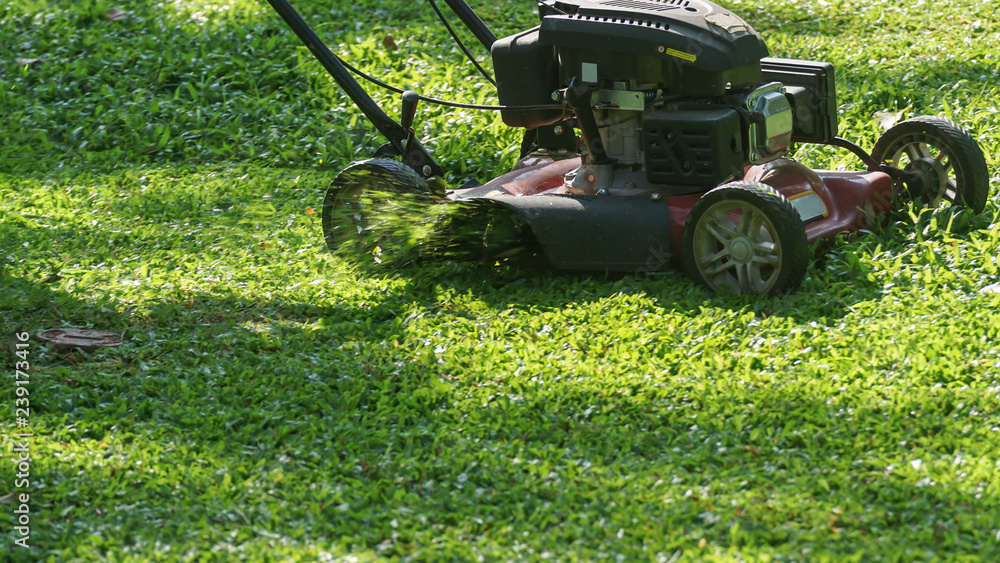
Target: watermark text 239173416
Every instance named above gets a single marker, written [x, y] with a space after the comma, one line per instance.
[22, 451]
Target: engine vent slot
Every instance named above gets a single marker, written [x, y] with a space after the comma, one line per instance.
[606, 19]
[654, 5]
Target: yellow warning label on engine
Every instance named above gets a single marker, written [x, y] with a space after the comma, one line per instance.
[682, 55]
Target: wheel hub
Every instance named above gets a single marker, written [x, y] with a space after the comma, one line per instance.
[741, 250]
[933, 175]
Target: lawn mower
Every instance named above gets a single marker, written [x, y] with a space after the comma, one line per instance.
[655, 136]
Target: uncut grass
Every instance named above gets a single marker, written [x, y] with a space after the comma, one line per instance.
[276, 402]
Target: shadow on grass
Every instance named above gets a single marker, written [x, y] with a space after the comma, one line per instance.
[356, 433]
[374, 445]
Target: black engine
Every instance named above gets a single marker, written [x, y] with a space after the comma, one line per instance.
[672, 95]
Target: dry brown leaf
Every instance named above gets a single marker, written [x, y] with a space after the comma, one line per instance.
[389, 43]
[886, 119]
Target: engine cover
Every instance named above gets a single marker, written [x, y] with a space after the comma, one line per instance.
[692, 47]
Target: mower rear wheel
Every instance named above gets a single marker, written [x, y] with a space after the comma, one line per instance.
[362, 190]
[947, 162]
[745, 237]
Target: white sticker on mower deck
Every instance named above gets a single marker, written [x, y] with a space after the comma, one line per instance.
[588, 72]
[809, 205]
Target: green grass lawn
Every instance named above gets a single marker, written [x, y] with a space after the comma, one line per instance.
[161, 176]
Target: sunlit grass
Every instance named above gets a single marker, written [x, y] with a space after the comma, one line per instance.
[161, 176]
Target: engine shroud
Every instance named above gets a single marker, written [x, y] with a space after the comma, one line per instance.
[686, 48]
[677, 89]
[690, 47]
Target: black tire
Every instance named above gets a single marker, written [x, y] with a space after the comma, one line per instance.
[346, 207]
[745, 237]
[950, 164]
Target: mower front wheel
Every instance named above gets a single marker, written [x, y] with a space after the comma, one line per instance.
[363, 195]
[945, 162]
[745, 237]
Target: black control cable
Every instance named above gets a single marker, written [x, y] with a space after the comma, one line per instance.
[459, 105]
[460, 44]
